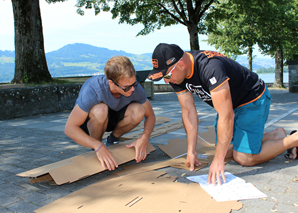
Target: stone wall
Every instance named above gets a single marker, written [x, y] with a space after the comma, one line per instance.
[27, 101]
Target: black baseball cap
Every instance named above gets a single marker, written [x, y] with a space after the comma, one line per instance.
[163, 57]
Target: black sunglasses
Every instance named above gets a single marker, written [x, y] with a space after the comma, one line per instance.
[126, 89]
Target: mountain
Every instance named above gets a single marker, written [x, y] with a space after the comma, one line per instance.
[257, 62]
[6, 65]
[87, 60]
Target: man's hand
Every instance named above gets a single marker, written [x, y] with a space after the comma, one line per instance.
[216, 169]
[106, 158]
[192, 161]
[140, 148]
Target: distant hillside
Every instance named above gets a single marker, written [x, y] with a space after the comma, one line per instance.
[87, 60]
[83, 59]
[257, 62]
[6, 65]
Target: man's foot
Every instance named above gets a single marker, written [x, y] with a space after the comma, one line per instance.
[276, 134]
[112, 140]
[279, 133]
[292, 153]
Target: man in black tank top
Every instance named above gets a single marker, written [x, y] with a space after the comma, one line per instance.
[239, 96]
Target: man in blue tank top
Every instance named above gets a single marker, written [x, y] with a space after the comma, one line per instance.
[112, 102]
[240, 98]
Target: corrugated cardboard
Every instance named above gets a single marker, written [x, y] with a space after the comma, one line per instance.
[145, 167]
[205, 147]
[76, 168]
[145, 192]
[160, 130]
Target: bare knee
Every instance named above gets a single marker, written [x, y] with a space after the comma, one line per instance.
[99, 113]
[137, 112]
[244, 159]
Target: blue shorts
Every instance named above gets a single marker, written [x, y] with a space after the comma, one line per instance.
[249, 125]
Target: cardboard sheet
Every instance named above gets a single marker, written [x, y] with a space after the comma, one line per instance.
[76, 168]
[178, 148]
[160, 130]
[145, 192]
[145, 167]
[205, 147]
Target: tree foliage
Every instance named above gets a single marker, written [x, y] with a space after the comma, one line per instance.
[278, 33]
[234, 26]
[156, 14]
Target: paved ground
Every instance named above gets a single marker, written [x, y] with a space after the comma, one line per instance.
[30, 142]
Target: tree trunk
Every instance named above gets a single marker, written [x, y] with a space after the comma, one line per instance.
[278, 82]
[30, 61]
[193, 36]
[250, 58]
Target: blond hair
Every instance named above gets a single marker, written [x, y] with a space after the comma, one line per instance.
[119, 67]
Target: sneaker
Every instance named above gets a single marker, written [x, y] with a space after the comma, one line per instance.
[108, 143]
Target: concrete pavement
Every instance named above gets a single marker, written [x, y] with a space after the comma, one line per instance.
[30, 142]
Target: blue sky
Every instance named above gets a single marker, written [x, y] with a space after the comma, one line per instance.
[62, 26]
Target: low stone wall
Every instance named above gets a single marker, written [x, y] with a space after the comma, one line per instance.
[27, 101]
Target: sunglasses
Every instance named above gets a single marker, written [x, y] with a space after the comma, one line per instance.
[126, 89]
[169, 75]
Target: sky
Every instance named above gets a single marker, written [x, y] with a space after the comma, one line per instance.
[62, 26]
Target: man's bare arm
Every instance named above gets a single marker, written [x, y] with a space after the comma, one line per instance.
[222, 103]
[72, 129]
[191, 124]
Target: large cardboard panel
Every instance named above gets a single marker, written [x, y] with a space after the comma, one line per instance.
[76, 168]
[160, 130]
[145, 167]
[177, 148]
[208, 136]
[145, 192]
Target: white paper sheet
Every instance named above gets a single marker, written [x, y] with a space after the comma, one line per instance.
[234, 189]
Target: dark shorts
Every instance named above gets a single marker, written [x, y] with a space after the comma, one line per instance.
[113, 119]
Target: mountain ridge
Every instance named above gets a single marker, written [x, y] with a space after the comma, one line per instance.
[80, 59]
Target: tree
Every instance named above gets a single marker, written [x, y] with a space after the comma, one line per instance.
[30, 60]
[235, 26]
[278, 33]
[156, 14]
[231, 27]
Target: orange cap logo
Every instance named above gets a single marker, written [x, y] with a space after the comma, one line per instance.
[155, 63]
[171, 60]
[155, 76]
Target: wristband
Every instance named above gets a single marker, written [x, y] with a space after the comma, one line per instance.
[98, 147]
